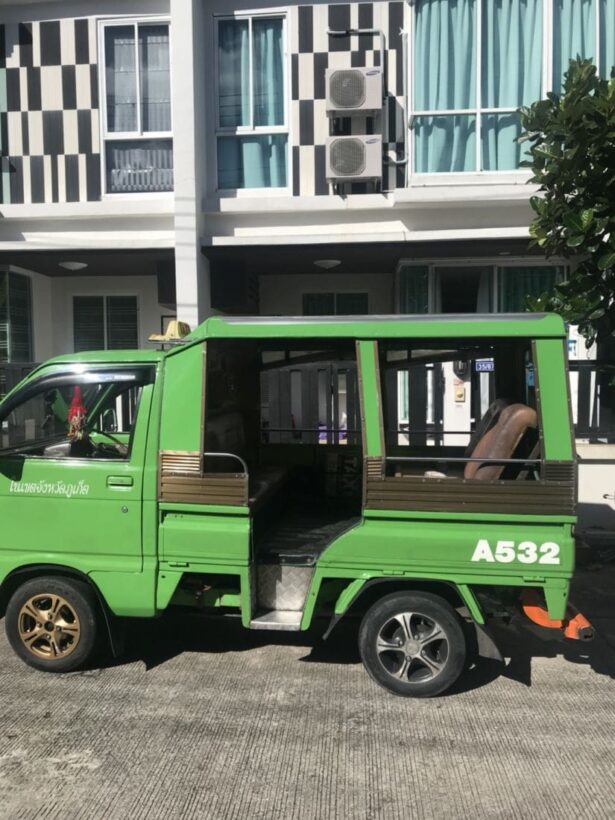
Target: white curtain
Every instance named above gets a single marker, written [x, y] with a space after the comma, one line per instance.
[268, 71]
[155, 78]
[121, 78]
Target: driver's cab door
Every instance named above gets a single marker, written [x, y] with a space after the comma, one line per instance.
[71, 467]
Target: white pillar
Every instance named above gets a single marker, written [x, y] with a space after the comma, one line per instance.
[188, 93]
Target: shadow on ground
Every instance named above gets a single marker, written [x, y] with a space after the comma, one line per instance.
[155, 642]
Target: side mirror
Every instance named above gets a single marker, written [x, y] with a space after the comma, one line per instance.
[109, 421]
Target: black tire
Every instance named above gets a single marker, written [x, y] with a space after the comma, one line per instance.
[422, 661]
[51, 623]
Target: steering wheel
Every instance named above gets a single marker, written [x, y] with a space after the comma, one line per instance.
[117, 445]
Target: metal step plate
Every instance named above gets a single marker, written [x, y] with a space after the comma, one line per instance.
[282, 586]
[281, 619]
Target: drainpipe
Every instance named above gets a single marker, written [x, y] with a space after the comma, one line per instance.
[363, 31]
[406, 124]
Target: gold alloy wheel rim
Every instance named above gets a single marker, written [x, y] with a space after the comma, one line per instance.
[49, 627]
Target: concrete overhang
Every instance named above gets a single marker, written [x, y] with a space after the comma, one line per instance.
[112, 224]
[357, 258]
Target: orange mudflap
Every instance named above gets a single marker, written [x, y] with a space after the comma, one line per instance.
[574, 625]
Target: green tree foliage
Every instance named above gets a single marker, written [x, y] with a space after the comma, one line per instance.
[572, 144]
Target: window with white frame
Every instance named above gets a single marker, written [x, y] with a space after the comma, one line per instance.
[252, 119]
[105, 322]
[335, 304]
[15, 317]
[477, 61]
[474, 285]
[138, 140]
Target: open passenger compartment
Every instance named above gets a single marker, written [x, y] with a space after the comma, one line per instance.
[460, 411]
[289, 409]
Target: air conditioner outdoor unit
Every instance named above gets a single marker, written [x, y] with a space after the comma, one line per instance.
[353, 91]
[351, 159]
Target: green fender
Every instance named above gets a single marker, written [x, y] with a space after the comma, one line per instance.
[351, 592]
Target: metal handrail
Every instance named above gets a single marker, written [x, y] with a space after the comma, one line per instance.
[228, 455]
[459, 459]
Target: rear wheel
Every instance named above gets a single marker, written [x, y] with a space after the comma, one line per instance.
[51, 623]
[413, 644]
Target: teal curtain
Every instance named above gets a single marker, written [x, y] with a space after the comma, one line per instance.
[574, 34]
[445, 78]
[233, 73]
[413, 289]
[511, 75]
[444, 144]
[268, 71]
[445, 54]
[607, 37]
[499, 150]
[511, 71]
[254, 161]
[517, 283]
[251, 160]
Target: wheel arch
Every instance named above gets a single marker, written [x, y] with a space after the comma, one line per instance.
[458, 595]
[20, 575]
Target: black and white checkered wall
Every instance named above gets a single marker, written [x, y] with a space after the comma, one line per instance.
[49, 133]
[313, 51]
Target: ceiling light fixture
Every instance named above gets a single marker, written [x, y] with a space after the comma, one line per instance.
[73, 265]
[327, 264]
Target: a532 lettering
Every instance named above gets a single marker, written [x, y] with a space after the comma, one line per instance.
[526, 552]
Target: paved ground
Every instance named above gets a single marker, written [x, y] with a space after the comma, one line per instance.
[209, 721]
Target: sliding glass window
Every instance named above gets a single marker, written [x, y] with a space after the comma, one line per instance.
[137, 116]
[252, 125]
[15, 317]
[586, 28]
[477, 61]
[475, 64]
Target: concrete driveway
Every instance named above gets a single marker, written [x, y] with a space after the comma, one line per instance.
[206, 720]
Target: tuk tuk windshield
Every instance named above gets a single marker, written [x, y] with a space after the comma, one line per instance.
[74, 410]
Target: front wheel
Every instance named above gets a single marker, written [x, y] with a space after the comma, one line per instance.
[51, 623]
[413, 644]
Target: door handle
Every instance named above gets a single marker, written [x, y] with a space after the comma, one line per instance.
[120, 481]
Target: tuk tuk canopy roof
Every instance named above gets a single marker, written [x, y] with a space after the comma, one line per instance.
[471, 325]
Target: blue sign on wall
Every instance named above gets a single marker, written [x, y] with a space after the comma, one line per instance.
[484, 365]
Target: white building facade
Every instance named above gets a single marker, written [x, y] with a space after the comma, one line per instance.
[166, 158]
[176, 158]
